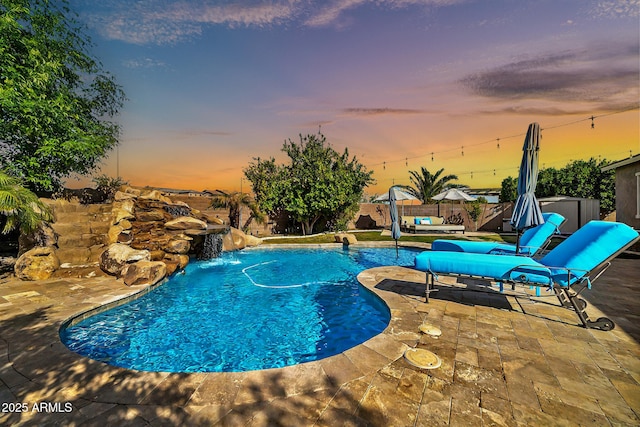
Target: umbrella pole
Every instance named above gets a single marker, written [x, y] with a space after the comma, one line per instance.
[397, 249]
[517, 242]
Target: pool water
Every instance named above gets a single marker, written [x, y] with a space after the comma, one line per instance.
[247, 310]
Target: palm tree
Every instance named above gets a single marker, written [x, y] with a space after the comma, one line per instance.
[427, 185]
[234, 201]
[19, 207]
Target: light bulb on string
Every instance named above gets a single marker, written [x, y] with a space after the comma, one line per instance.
[498, 145]
[462, 149]
[593, 125]
[384, 165]
[432, 156]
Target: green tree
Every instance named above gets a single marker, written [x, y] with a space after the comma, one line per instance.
[476, 209]
[19, 207]
[580, 178]
[55, 99]
[318, 183]
[509, 190]
[234, 201]
[426, 185]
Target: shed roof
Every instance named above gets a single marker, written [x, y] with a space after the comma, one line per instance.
[630, 160]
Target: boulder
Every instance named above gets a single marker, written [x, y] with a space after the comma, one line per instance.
[157, 255]
[156, 195]
[345, 238]
[172, 266]
[133, 191]
[122, 210]
[181, 260]
[211, 218]
[233, 240]
[185, 223]
[7, 264]
[177, 246]
[114, 233]
[251, 241]
[117, 256]
[44, 235]
[144, 273]
[125, 224]
[119, 196]
[38, 263]
[151, 215]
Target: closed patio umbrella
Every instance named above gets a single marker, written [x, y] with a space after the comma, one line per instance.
[526, 212]
[393, 212]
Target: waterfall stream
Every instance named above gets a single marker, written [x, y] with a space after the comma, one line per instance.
[211, 247]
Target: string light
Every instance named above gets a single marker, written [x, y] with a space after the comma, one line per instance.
[497, 141]
[593, 125]
[384, 165]
[462, 150]
[406, 161]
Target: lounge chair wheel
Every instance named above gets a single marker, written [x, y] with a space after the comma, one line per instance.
[604, 324]
[582, 304]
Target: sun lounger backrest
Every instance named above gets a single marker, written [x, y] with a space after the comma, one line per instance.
[534, 238]
[590, 246]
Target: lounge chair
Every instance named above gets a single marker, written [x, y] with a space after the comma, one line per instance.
[532, 241]
[567, 270]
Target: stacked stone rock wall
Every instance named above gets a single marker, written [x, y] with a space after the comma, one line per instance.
[141, 237]
[150, 236]
[81, 231]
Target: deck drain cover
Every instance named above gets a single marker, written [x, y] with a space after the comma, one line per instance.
[429, 329]
[423, 359]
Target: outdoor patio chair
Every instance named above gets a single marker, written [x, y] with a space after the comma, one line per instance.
[567, 270]
[532, 241]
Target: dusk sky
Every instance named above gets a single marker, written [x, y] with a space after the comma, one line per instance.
[212, 84]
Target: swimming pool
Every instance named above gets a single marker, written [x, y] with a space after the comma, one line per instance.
[247, 310]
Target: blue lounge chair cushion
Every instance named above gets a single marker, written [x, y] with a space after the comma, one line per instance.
[473, 247]
[531, 240]
[569, 262]
[587, 248]
[534, 238]
[499, 268]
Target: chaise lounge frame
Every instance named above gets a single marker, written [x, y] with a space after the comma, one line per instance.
[568, 296]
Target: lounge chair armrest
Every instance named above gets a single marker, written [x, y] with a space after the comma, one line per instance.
[569, 271]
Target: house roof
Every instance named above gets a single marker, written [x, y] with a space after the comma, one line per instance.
[630, 160]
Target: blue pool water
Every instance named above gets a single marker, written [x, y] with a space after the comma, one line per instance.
[246, 310]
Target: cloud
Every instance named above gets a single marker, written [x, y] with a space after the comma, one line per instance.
[331, 14]
[616, 9]
[143, 63]
[599, 73]
[380, 111]
[556, 111]
[169, 22]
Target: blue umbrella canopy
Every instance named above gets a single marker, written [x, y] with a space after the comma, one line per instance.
[526, 212]
[393, 212]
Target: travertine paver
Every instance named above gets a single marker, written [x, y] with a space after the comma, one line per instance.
[507, 360]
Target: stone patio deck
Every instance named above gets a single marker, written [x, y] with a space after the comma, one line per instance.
[507, 360]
